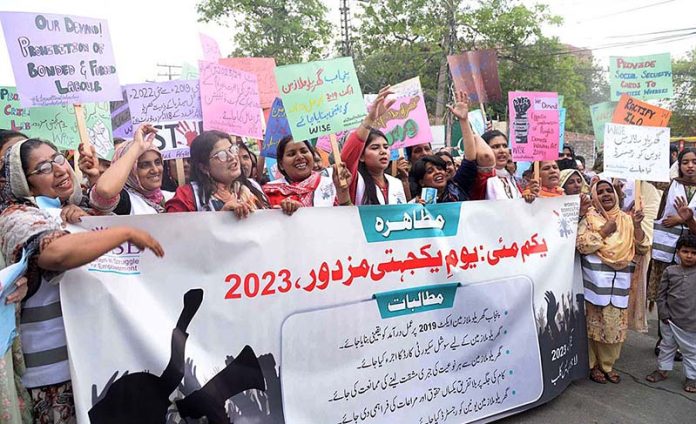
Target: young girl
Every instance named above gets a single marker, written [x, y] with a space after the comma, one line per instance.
[217, 181]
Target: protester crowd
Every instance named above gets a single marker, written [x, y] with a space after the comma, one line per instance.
[633, 254]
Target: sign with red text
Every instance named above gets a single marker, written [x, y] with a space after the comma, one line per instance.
[636, 153]
[230, 100]
[264, 69]
[60, 59]
[534, 125]
[321, 97]
[13, 116]
[406, 122]
[631, 111]
[642, 77]
[410, 313]
[476, 74]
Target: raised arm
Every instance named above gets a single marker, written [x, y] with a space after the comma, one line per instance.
[461, 110]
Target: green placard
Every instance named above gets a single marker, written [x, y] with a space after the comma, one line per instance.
[642, 77]
[601, 114]
[12, 115]
[58, 125]
[321, 97]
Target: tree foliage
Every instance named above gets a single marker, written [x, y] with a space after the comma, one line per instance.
[291, 31]
[683, 121]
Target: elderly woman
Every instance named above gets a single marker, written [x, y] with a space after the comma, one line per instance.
[34, 169]
[608, 239]
[572, 182]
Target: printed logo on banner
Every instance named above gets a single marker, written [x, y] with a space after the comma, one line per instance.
[567, 219]
[403, 222]
[123, 260]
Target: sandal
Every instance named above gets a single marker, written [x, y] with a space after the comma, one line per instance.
[656, 376]
[690, 386]
[613, 377]
[597, 376]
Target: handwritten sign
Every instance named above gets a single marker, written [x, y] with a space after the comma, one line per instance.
[534, 125]
[476, 74]
[642, 77]
[230, 100]
[631, 111]
[174, 138]
[264, 69]
[636, 153]
[477, 121]
[121, 118]
[58, 125]
[164, 101]
[59, 59]
[188, 72]
[211, 50]
[321, 97]
[601, 113]
[406, 122]
[276, 129]
[12, 115]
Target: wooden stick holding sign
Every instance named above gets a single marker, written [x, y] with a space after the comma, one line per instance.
[637, 195]
[84, 137]
[337, 159]
[536, 171]
[180, 176]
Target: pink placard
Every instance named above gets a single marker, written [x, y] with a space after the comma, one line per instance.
[264, 69]
[230, 100]
[406, 122]
[534, 125]
[211, 49]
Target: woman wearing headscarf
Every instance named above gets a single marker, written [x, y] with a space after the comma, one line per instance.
[301, 185]
[35, 169]
[608, 240]
[572, 182]
[217, 181]
[132, 185]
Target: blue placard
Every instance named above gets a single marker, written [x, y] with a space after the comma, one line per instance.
[276, 128]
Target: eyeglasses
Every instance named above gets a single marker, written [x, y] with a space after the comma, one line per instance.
[226, 155]
[47, 166]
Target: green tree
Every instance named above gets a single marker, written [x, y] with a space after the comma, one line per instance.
[291, 31]
[683, 121]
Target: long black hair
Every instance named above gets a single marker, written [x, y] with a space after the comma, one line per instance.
[370, 194]
[201, 147]
[280, 151]
[490, 135]
[681, 156]
[420, 167]
[254, 160]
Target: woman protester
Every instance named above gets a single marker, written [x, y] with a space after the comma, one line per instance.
[133, 183]
[431, 171]
[608, 240]
[549, 179]
[217, 181]
[35, 169]
[366, 153]
[301, 186]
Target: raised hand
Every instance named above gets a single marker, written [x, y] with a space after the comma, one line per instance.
[683, 209]
[460, 109]
[380, 106]
[637, 217]
[144, 136]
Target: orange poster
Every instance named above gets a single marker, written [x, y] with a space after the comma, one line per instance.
[631, 111]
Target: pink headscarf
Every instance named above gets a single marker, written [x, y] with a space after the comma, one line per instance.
[152, 197]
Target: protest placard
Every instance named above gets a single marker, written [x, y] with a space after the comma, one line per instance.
[211, 50]
[476, 74]
[58, 124]
[642, 77]
[636, 153]
[276, 128]
[121, 118]
[601, 113]
[59, 59]
[477, 121]
[264, 69]
[13, 115]
[174, 138]
[188, 72]
[406, 122]
[321, 97]
[324, 141]
[167, 101]
[476, 307]
[561, 128]
[230, 100]
[534, 125]
[631, 111]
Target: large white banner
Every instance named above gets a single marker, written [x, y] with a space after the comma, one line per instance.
[454, 313]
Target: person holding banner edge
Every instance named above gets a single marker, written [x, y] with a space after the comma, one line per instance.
[35, 168]
[608, 240]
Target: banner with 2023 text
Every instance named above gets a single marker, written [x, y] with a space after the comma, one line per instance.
[455, 313]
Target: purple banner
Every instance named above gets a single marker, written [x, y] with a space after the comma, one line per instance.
[59, 59]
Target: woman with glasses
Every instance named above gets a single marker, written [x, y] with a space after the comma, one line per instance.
[217, 181]
[35, 169]
[132, 185]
